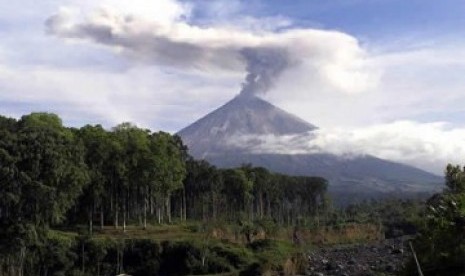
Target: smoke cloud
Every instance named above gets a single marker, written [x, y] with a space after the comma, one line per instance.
[264, 65]
[331, 57]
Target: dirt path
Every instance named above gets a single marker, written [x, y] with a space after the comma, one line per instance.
[380, 258]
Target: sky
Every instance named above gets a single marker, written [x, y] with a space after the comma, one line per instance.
[380, 77]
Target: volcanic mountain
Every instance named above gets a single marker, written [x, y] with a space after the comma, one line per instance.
[231, 135]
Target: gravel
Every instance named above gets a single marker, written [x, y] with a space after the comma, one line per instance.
[378, 258]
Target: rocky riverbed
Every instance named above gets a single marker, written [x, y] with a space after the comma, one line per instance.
[377, 258]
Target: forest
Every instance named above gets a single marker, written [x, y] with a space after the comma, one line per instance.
[54, 177]
[91, 201]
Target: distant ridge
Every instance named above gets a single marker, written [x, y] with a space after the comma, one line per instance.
[351, 178]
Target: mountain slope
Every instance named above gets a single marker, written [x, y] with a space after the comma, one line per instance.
[243, 115]
[354, 176]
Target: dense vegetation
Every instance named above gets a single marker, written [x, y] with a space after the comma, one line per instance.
[440, 244]
[54, 177]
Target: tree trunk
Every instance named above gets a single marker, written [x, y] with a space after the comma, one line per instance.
[152, 209]
[145, 212]
[204, 217]
[168, 208]
[21, 262]
[90, 214]
[251, 210]
[184, 205]
[213, 206]
[268, 206]
[101, 217]
[124, 219]
[116, 217]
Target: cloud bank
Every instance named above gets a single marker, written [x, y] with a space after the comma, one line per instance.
[428, 146]
[330, 57]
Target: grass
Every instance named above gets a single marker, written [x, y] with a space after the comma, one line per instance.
[228, 248]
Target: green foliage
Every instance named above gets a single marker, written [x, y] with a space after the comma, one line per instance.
[440, 244]
[455, 178]
[54, 177]
[270, 255]
[397, 217]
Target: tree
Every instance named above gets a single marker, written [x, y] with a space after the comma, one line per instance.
[53, 168]
[135, 149]
[97, 154]
[170, 168]
[455, 178]
[238, 190]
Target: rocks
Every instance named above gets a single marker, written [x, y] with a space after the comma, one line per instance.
[397, 251]
[385, 258]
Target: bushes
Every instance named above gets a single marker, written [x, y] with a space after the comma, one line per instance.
[273, 256]
[62, 254]
[440, 244]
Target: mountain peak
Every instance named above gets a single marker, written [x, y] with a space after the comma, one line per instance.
[243, 115]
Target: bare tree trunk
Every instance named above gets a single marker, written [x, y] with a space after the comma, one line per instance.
[168, 207]
[268, 206]
[90, 217]
[145, 211]
[21, 261]
[116, 217]
[101, 217]
[181, 212]
[184, 205]
[152, 208]
[124, 215]
[214, 206]
[124, 220]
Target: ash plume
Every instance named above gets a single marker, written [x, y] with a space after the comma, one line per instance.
[330, 58]
[264, 65]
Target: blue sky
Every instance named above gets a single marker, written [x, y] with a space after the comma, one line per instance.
[373, 20]
[361, 69]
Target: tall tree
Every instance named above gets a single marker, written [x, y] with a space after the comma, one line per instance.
[97, 155]
[52, 161]
[170, 168]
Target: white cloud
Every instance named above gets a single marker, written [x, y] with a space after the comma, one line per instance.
[426, 145]
[423, 84]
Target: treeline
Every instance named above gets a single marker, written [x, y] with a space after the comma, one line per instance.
[51, 175]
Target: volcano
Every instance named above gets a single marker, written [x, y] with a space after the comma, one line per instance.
[351, 178]
[243, 115]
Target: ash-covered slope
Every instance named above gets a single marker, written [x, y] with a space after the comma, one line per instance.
[350, 176]
[243, 115]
